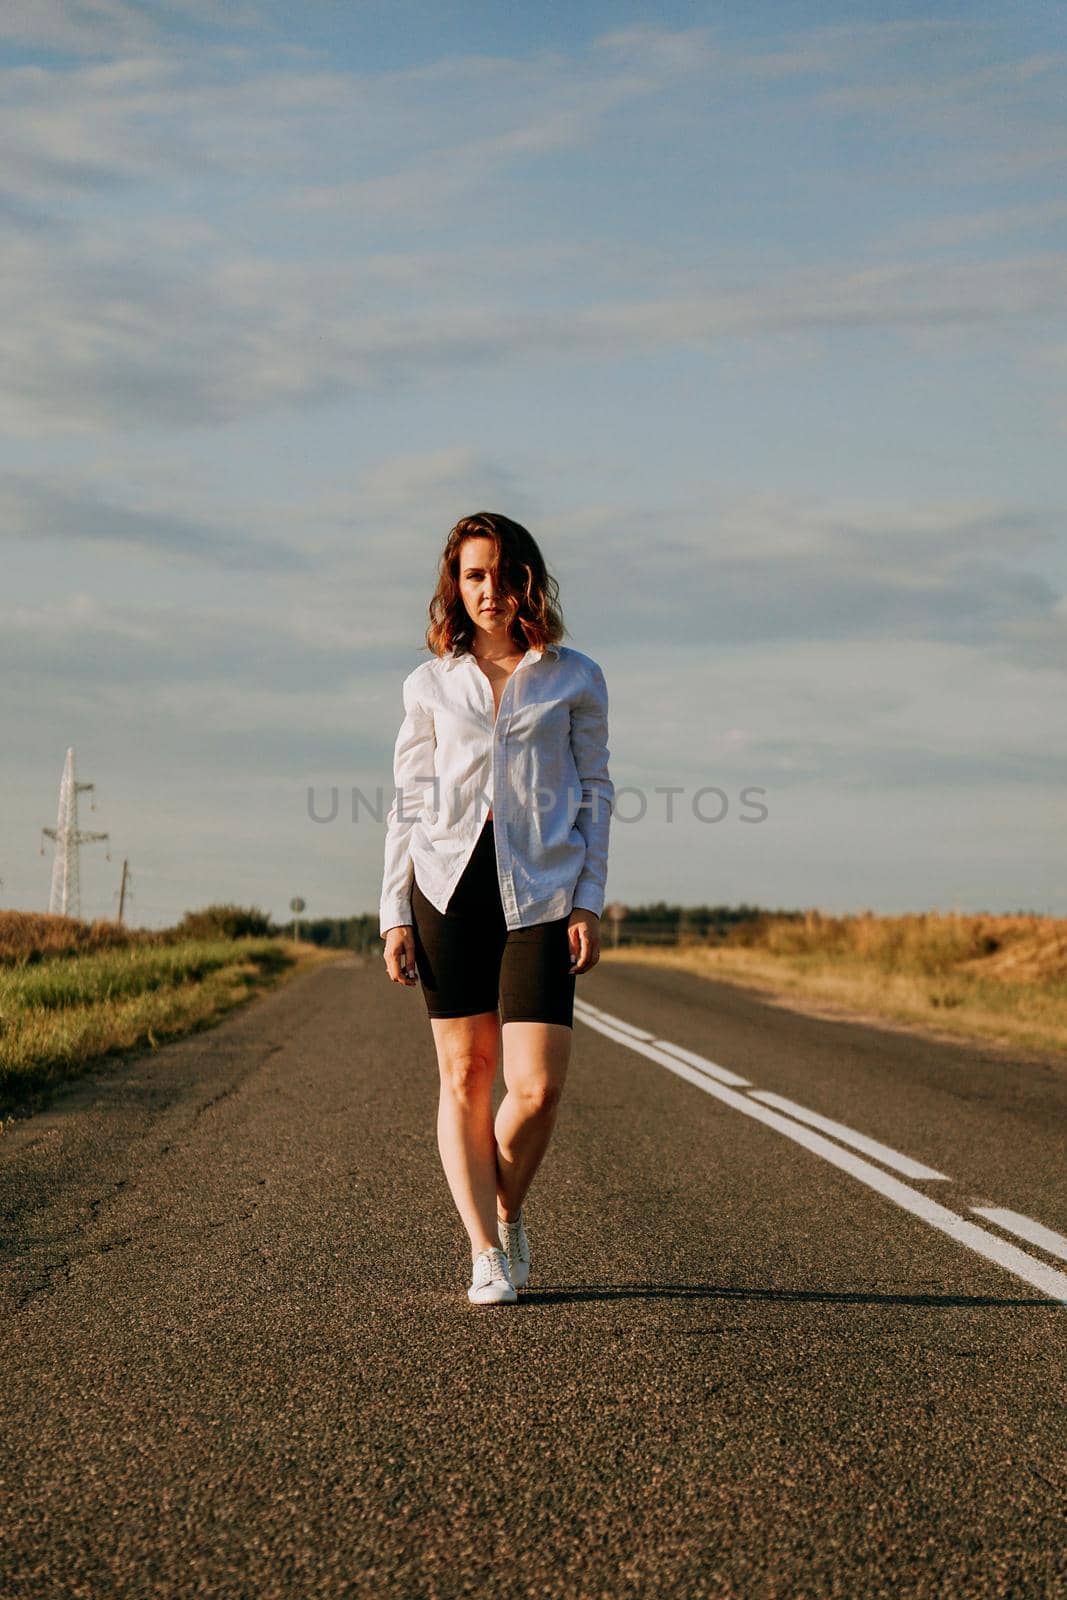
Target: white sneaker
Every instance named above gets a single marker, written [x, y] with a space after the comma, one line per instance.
[514, 1243]
[490, 1279]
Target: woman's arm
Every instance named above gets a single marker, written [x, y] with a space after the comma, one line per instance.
[589, 745]
[413, 773]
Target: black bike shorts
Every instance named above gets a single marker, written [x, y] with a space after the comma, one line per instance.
[470, 961]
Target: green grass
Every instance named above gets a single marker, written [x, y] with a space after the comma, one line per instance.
[62, 1015]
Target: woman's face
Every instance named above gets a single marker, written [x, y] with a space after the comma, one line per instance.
[486, 606]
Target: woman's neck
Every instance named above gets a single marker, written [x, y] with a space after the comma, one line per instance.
[488, 648]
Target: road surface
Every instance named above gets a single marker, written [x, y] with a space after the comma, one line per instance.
[795, 1327]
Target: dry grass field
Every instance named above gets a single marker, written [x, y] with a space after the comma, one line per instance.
[1000, 980]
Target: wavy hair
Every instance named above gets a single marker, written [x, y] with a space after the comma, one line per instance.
[522, 576]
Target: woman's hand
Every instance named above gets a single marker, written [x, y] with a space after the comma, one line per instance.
[400, 955]
[583, 934]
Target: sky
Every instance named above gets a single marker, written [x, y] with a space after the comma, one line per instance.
[755, 316]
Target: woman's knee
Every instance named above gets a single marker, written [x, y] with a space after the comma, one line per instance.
[467, 1074]
[539, 1095]
[467, 1054]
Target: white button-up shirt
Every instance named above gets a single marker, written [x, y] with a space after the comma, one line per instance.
[541, 764]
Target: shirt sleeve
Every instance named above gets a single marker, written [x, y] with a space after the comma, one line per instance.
[413, 773]
[589, 745]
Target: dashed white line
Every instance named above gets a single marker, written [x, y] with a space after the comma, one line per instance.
[1048, 1280]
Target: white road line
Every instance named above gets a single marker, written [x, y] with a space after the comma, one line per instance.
[710, 1067]
[616, 1022]
[1048, 1280]
[702, 1062]
[1025, 1228]
[846, 1135]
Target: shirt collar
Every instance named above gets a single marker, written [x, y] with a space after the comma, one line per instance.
[452, 657]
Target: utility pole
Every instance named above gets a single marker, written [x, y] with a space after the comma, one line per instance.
[65, 899]
[122, 892]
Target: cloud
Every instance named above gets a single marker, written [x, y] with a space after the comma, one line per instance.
[744, 571]
[967, 226]
[726, 588]
[102, 27]
[860, 714]
[225, 695]
[46, 509]
[94, 340]
[162, 115]
[750, 573]
[147, 673]
[148, 284]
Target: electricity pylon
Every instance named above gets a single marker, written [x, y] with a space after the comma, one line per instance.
[65, 900]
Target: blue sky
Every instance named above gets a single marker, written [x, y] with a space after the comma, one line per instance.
[756, 316]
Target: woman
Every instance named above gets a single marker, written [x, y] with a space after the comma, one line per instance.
[495, 868]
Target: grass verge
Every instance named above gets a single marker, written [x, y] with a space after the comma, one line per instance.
[61, 1016]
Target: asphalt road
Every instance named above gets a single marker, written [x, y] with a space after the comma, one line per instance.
[239, 1359]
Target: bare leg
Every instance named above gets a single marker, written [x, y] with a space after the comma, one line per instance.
[536, 1055]
[467, 1049]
